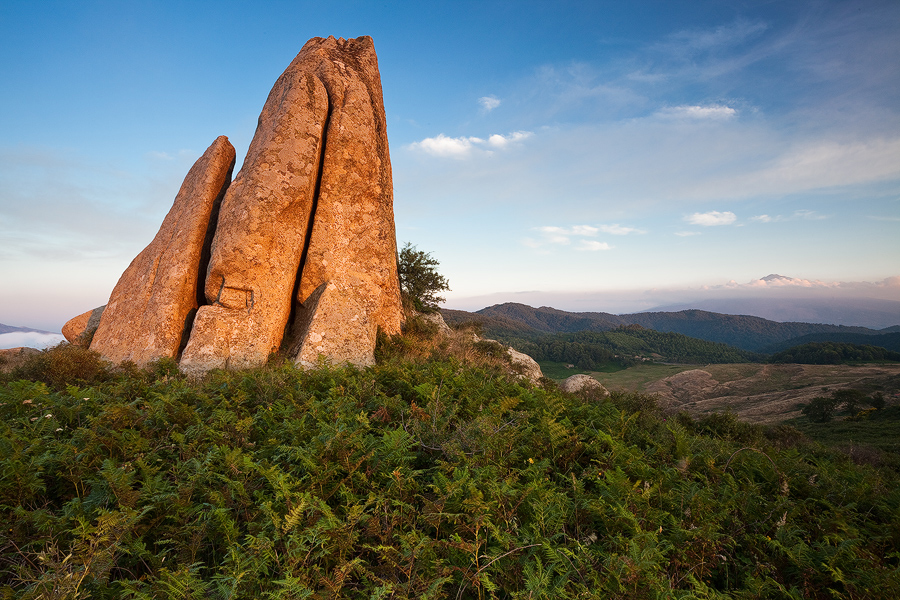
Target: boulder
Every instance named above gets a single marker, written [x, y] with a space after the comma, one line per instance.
[436, 319]
[305, 240]
[152, 305]
[338, 322]
[527, 366]
[579, 382]
[13, 358]
[80, 330]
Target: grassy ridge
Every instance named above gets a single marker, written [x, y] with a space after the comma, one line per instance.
[434, 474]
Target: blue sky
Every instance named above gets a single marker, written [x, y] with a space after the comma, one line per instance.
[601, 156]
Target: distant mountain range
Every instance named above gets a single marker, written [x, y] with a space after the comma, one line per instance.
[13, 329]
[874, 313]
[755, 334]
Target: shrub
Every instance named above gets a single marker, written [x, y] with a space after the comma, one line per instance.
[64, 364]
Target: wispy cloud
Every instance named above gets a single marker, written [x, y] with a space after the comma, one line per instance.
[501, 141]
[563, 236]
[617, 229]
[686, 233]
[797, 215]
[713, 112]
[463, 147]
[489, 103]
[593, 245]
[711, 218]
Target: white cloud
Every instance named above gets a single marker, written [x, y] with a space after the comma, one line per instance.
[489, 103]
[593, 245]
[762, 219]
[463, 147]
[29, 339]
[619, 229]
[584, 230]
[499, 141]
[686, 233]
[714, 112]
[441, 145]
[562, 236]
[554, 235]
[711, 218]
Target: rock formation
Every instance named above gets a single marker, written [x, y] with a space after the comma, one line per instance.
[157, 295]
[80, 330]
[302, 253]
[305, 241]
[527, 366]
[579, 382]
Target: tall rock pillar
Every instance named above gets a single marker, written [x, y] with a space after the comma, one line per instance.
[305, 239]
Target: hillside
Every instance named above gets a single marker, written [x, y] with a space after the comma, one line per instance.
[433, 474]
[888, 341]
[745, 332]
[625, 346]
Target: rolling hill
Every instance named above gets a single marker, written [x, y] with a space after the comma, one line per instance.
[754, 334]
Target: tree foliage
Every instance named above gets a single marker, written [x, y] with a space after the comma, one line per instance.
[420, 280]
[626, 345]
[834, 353]
[823, 408]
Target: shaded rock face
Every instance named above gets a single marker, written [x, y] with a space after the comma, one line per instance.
[80, 330]
[297, 254]
[156, 296]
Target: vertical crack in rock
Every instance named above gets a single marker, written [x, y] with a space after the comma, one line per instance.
[294, 331]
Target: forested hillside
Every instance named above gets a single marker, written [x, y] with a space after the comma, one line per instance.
[626, 345]
[833, 353]
[888, 341]
[754, 334]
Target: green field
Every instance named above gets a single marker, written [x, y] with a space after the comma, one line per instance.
[635, 378]
[559, 370]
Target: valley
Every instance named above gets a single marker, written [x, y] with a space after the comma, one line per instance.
[756, 393]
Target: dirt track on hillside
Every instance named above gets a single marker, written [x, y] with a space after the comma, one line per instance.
[767, 393]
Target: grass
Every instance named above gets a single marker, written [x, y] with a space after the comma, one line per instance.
[560, 370]
[634, 379]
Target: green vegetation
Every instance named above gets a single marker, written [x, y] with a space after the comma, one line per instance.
[871, 436]
[624, 346]
[834, 353]
[434, 474]
[822, 409]
[420, 281]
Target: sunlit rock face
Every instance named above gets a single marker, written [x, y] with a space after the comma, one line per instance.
[305, 243]
[298, 254]
[157, 295]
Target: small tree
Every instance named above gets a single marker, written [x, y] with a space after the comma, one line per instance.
[419, 280]
[820, 409]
